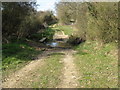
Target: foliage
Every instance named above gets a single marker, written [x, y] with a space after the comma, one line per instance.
[13, 13]
[104, 18]
[93, 21]
[21, 20]
[47, 33]
[46, 17]
[66, 11]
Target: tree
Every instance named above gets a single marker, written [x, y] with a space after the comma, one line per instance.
[13, 14]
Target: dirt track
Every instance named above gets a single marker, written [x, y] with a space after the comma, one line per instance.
[69, 73]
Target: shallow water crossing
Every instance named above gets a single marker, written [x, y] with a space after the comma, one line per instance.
[58, 44]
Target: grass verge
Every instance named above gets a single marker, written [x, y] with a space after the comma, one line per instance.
[16, 55]
[97, 66]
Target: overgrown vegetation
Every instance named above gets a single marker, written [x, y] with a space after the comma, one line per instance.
[47, 33]
[97, 65]
[14, 14]
[21, 20]
[93, 21]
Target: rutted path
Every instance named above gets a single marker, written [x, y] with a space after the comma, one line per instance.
[16, 78]
[70, 76]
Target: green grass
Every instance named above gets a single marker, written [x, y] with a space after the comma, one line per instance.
[48, 75]
[48, 33]
[65, 28]
[97, 68]
[16, 55]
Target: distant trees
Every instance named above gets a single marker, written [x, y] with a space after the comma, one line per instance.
[47, 17]
[66, 11]
[93, 21]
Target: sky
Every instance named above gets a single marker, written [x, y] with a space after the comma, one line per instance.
[46, 5]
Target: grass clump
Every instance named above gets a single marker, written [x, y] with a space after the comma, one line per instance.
[97, 65]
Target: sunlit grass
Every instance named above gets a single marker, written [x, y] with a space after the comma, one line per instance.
[97, 67]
